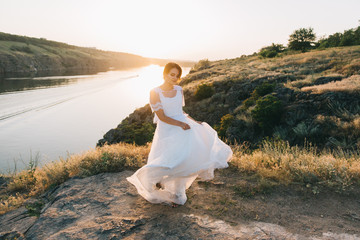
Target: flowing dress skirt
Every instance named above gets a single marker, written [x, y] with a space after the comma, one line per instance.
[177, 157]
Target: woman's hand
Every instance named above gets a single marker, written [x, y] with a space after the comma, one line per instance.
[185, 126]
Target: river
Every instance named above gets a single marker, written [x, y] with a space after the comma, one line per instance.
[47, 118]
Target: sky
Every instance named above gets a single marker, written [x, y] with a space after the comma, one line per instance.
[182, 29]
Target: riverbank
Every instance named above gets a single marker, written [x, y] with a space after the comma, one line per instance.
[21, 55]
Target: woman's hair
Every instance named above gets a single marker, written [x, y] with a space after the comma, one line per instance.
[170, 66]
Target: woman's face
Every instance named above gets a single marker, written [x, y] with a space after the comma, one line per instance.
[172, 76]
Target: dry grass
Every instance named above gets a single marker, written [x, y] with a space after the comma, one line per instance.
[275, 160]
[350, 84]
[308, 80]
[278, 161]
[34, 181]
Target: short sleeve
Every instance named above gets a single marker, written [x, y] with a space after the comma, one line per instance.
[155, 102]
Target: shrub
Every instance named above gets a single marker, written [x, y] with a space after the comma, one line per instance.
[107, 162]
[271, 51]
[348, 38]
[249, 102]
[202, 64]
[259, 91]
[21, 49]
[263, 89]
[267, 111]
[138, 133]
[225, 123]
[204, 91]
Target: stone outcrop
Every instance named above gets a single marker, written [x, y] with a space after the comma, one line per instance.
[106, 206]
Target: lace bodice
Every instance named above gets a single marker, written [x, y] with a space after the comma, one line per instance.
[172, 106]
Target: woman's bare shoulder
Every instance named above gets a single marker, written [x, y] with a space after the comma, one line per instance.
[155, 90]
[154, 95]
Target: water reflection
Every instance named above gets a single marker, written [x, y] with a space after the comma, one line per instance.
[13, 85]
[45, 79]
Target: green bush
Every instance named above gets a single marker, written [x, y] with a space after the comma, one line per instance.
[267, 111]
[271, 51]
[225, 123]
[259, 91]
[249, 102]
[21, 49]
[204, 91]
[136, 132]
[263, 89]
[350, 37]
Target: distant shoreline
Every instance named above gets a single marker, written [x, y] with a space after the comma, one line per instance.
[25, 55]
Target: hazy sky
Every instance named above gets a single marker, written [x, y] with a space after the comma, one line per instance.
[182, 29]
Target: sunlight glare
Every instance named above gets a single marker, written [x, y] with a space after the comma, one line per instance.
[149, 77]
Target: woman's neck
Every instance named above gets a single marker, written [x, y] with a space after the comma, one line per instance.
[167, 86]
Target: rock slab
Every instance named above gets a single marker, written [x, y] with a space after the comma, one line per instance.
[106, 206]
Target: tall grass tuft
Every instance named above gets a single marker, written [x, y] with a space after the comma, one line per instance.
[279, 161]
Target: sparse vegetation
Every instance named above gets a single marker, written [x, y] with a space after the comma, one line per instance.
[277, 160]
[303, 40]
[34, 181]
[351, 84]
[238, 83]
[204, 91]
[202, 64]
[274, 163]
[25, 49]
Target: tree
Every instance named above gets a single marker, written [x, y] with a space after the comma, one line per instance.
[348, 38]
[332, 41]
[302, 39]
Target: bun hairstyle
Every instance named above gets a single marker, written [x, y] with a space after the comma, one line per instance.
[170, 66]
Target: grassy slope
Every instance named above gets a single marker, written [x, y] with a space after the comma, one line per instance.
[329, 119]
[24, 54]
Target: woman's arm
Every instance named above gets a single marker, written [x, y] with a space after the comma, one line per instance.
[155, 101]
[161, 115]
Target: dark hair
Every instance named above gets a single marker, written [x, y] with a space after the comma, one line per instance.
[170, 66]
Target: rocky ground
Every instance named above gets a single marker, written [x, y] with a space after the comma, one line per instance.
[106, 206]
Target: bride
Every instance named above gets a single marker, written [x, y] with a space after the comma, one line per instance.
[182, 148]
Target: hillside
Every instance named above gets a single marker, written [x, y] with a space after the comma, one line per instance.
[21, 54]
[296, 97]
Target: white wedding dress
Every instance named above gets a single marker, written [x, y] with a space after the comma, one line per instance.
[177, 157]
